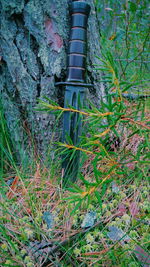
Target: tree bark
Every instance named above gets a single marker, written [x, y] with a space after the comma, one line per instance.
[34, 37]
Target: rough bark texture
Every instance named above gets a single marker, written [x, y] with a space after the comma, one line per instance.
[34, 36]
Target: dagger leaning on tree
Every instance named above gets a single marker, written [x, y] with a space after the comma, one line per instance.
[75, 85]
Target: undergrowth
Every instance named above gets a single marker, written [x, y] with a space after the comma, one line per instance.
[42, 222]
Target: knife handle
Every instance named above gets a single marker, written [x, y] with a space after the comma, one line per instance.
[76, 59]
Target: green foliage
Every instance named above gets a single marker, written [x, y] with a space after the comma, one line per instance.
[125, 32]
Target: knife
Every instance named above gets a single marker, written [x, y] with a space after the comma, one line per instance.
[75, 86]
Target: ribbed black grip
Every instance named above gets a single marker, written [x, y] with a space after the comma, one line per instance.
[79, 12]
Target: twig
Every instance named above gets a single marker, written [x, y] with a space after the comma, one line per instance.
[131, 60]
[141, 51]
[136, 122]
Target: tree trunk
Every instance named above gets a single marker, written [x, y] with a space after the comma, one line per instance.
[34, 38]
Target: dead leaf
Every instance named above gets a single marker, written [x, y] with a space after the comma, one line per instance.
[37, 173]
[131, 165]
[142, 256]
[109, 9]
[112, 37]
[133, 208]
[49, 219]
[117, 234]
[89, 219]
[121, 209]
[13, 187]
[115, 188]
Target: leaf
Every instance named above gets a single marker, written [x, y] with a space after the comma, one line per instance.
[85, 181]
[128, 87]
[89, 219]
[10, 181]
[73, 190]
[131, 165]
[133, 7]
[112, 37]
[99, 198]
[142, 256]
[109, 9]
[121, 209]
[116, 234]
[104, 188]
[73, 197]
[77, 188]
[49, 219]
[115, 188]
[13, 187]
[76, 207]
[37, 172]
[134, 210]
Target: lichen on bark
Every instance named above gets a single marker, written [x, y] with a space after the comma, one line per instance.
[34, 37]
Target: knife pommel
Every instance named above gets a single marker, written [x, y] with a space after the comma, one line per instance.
[76, 60]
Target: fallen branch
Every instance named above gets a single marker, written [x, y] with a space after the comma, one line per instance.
[136, 122]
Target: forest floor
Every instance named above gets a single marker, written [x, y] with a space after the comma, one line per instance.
[45, 225]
